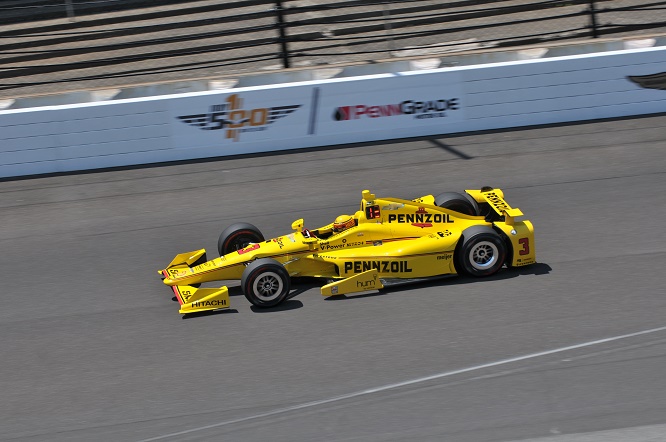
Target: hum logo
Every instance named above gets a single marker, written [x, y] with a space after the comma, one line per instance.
[369, 284]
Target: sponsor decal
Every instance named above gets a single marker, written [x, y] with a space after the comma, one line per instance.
[369, 284]
[334, 290]
[202, 267]
[249, 249]
[213, 303]
[355, 244]
[420, 219]
[421, 210]
[381, 266]
[654, 81]
[235, 120]
[279, 241]
[438, 235]
[292, 237]
[496, 201]
[185, 294]
[419, 109]
[377, 243]
[393, 206]
[174, 273]
[446, 256]
[328, 246]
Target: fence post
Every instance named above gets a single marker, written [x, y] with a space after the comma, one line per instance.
[282, 25]
[593, 20]
[388, 29]
[70, 10]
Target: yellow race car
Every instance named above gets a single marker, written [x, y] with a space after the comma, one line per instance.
[387, 241]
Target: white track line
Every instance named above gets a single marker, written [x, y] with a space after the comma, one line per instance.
[403, 384]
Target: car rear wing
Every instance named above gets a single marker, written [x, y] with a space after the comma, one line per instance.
[495, 198]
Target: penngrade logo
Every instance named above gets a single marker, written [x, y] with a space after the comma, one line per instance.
[420, 110]
[231, 116]
[654, 81]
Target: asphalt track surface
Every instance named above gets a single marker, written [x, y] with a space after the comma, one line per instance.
[572, 349]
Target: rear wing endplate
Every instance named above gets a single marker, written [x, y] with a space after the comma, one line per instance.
[495, 198]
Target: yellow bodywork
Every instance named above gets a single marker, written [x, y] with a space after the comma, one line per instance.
[394, 239]
[361, 282]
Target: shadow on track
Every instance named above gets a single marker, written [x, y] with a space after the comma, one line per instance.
[302, 285]
[299, 285]
[209, 313]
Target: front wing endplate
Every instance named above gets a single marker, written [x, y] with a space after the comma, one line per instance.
[193, 299]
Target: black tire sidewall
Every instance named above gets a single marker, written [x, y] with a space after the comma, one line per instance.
[467, 246]
[225, 243]
[254, 271]
[448, 200]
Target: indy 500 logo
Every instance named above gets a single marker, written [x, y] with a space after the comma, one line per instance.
[231, 116]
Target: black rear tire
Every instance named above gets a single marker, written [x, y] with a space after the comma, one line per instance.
[238, 236]
[458, 202]
[265, 283]
[482, 252]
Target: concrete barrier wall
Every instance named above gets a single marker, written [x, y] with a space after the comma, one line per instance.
[334, 111]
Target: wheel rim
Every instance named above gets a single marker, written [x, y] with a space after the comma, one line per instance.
[483, 255]
[268, 286]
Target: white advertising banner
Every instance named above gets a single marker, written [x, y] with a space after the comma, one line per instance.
[395, 105]
[334, 111]
[241, 122]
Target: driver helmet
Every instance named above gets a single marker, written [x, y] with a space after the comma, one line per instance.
[343, 222]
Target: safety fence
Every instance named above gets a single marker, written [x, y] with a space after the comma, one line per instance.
[51, 46]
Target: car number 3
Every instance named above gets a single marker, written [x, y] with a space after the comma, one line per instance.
[525, 242]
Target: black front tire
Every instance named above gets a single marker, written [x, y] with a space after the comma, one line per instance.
[238, 236]
[265, 283]
[482, 252]
[458, 202]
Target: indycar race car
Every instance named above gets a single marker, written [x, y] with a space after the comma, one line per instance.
[387, 241]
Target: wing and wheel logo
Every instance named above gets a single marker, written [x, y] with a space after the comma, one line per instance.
[235, 120]
[654, 81]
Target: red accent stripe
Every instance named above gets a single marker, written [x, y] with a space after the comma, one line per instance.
[401, 239]
[177, 293]
[173, 287]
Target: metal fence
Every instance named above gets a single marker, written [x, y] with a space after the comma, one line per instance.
[91, 43]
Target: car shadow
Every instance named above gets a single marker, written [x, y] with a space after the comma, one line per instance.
[299, 286]
[535, 269]
[302, 285]
[235, 291]
[209, 313]
[289, 304]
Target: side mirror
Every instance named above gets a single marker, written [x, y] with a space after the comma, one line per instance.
[311, 242]
[297, 225]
